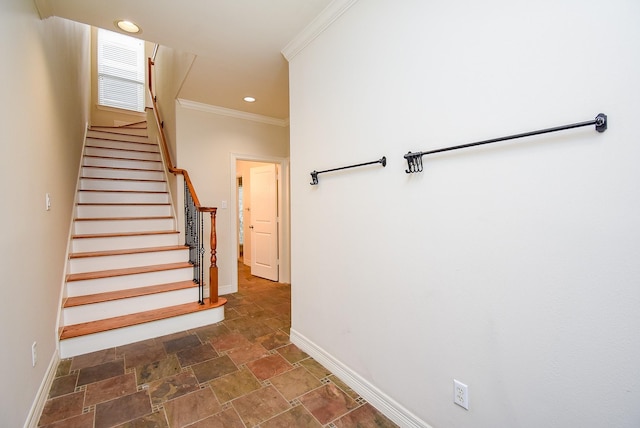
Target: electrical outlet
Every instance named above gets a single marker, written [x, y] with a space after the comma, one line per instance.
[34, 353]
[461, 394]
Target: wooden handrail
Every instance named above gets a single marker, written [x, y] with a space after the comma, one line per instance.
[213, 268]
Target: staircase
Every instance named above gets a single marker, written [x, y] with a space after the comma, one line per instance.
[128, 278]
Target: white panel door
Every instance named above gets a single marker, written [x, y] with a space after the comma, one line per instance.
[264, 222]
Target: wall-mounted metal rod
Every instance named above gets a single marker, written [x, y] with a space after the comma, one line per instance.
[414, 160]
[314, 174]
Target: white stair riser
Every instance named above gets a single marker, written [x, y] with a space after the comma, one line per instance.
[143, 186]
[82, 245]
[90, 264]
[122, 336]
[123, 163]
[129, 130]
[122, 226]
[128, 154]
[84, 211]
[115, 308]
[122, 173]
[127, 145]
[122, 197]
[119, 137]
[125, 282]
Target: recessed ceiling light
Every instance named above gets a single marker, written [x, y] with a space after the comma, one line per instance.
[250, 99]
[127, 26]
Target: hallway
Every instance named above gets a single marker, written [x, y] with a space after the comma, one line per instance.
[241, 372]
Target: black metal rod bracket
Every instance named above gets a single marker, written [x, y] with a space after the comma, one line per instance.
[314, 173]
[601, 122]
[414, 159]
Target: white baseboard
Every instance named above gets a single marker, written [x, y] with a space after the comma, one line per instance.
[41, 397]
[378, 399]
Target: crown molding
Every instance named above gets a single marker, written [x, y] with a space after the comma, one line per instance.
[316, 27]
[45, 9]
[222, 111]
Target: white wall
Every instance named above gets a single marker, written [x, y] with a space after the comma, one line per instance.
[206, 145]
[511, 267]
[45, 91]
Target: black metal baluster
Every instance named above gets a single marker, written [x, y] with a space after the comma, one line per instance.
[193, 239]
[201, 257]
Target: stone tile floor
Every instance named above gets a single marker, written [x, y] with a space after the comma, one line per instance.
[242, 372]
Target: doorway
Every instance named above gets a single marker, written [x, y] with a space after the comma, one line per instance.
[261, 245]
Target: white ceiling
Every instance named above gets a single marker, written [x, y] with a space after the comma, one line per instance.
[238, 43]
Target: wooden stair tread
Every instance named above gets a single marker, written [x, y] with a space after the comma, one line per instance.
[128, 293]
[134, 125]
[123, 203]
[83, 329]
[145, 180]
[123, 149]
[122, 191]
[109, 273]
[117, 235]
[110, 129]
[119, 168]
[123, 218]
[119, 158]
[121, 140]
[127, 251]
[97, 144]
[118, 131]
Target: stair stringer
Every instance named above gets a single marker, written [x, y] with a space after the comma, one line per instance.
[63, 281]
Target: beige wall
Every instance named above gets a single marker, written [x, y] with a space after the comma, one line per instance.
[45, 91]
[170, 70]
[207, 144]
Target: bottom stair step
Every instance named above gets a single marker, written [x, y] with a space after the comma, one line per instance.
[94, 336]
[93, 327]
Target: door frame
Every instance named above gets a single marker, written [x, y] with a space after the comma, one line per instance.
[284, 207]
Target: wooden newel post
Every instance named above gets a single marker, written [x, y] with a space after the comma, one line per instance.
[213, 269]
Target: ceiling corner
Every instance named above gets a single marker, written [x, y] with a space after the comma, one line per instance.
[316, 27]
[45, 8]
